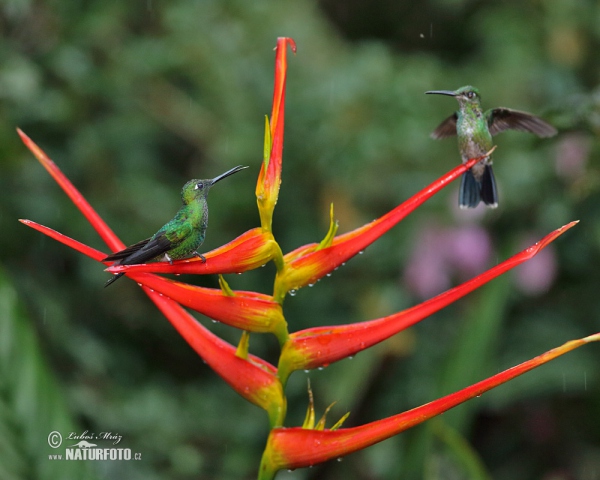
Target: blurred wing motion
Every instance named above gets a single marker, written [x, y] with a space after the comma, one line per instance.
[500, 119]
[446, 129]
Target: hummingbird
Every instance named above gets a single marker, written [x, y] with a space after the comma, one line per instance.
[474, 129]
[180, 237]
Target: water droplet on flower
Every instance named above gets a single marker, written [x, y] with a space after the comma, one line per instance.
[214, 321]
[360, 253]
[339, 459]
[321, 368]
[350, 357]
[293, 292]
[329, 274]
[307, 371]
[311, 284]
[263, 265]
[177, 274]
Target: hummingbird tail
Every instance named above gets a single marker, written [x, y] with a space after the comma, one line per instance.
[489, 195]
[469, 194]
[114, 278]
[473, 191]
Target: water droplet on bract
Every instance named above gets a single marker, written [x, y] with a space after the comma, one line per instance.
[339, 459]
[329, 274]
[311, 284]
[263, 265]
[293, 292]
[214, 321]
[306, 371]
[361, 252]
[350, 357]
[177, 274]
[321, 368]
[238, 273]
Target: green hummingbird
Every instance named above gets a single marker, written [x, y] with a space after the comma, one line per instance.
[474, 129]
[180, 237]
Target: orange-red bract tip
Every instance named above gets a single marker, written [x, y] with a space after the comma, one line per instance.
[307, 264]
[253, 378]
[321, 346]
[290, 448]
[80, 202]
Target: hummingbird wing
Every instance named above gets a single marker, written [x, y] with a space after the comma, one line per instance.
[142, 251]
[162, 242]
[500, 119]
[447, 128]
[121, 254]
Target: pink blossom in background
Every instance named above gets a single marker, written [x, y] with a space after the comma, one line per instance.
[443, 253]
[536, 277]
[572, 155]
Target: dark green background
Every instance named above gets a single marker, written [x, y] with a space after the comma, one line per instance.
[132, 99]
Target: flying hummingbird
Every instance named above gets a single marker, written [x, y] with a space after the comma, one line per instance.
[180, 237]
[474, 129]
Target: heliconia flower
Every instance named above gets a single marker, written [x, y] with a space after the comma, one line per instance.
[309, 263]
[320, 346]
[250, 250]
[290, 448]
[269, 178]
[253, 378]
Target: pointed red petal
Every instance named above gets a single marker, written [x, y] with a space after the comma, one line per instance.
[306, 264]
[80, 202]
[320, 346]
[269, 178]
[253, 378]
[68, 241]
[297, 447]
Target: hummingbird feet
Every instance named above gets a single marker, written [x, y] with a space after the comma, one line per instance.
[202, 257]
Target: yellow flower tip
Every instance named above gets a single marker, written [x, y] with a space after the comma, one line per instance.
[225, 288]
[309, 419]
[333, 227]
[321, 424]
[243, 346]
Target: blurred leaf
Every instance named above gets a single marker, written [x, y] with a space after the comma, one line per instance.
[31, 402]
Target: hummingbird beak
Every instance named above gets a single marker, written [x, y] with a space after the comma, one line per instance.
[441, 92]
[227, 173]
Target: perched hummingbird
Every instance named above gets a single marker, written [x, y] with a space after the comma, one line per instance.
[474, 129]
[179, 238]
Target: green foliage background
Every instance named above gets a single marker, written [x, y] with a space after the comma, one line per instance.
[132, 99]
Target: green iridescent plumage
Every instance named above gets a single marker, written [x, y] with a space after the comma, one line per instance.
[474, 129]
[180, 237]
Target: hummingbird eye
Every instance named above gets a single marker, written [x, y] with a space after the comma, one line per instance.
[471, 95]
[199, 185]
